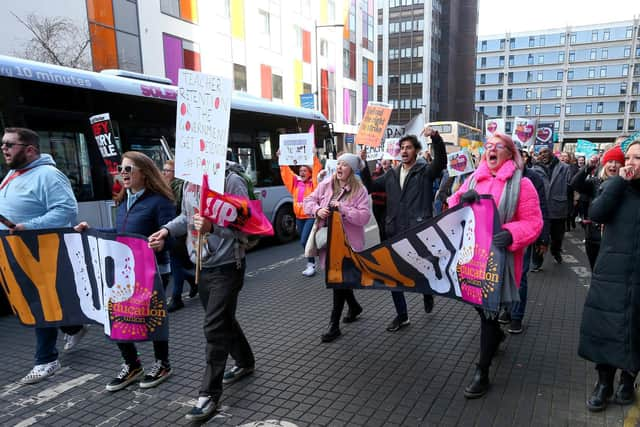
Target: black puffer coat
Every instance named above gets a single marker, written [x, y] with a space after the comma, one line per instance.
[610, 330]
[409, 206]
[588, 185]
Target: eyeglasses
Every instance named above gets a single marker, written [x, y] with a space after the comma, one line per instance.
[168, 170]
[492, 145]
[11, 144]
[126, 169]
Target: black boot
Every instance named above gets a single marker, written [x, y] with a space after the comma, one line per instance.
[352, 314]
[479, 384]
[626, 393]
[602, 391]
[175, 305]
[332, 333]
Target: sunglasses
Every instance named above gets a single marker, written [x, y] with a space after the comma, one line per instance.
[11, 144]
[126, 169]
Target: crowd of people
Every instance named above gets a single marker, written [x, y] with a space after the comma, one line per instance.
[539, 197]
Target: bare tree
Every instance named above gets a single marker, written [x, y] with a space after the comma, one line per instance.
[56, 40]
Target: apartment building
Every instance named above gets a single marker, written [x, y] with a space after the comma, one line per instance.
[584, 79]
[426, 58]
[274, 49]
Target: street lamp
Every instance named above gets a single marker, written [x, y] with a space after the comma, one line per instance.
[317, 67]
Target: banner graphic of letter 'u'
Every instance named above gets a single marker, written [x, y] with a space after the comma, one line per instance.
[58, 277]
[450, 255]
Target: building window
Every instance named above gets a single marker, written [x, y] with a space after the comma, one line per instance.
[606, 35]
[509, 110]
[587, 125]
[558, 92]
[567, 125]
[500, 77]
[556, 124]
[593, 54]
[625, 70]
[511, 60]
[620, 124]
[500, 93]
[628, 33]
[604, 53]
[557, 109]
[510, 77]
[507, 127]
[532, 41]
[561, 57]
[276, 84]
[529, 76]
[589, 90]
[540, 59]
[114, 33]
[483, 60]
[594, 36]
[572, 38]
[559, 75]
[240, 77]
[563, 39]
[635, 88]
[179, 53]
[483, 79]
[181, 9]
[499, 110]
[529, 93]
[627, 51]
[482, 95]
[501, 44]
[633, 107]
[569, 91]
[572, 57]
[601, 90]
[570, 75]
[603, 71]
[623, 88]
[501, 61]
[588, 108]
[541, 41]
[592, 72]
[567, 109]
[621, 107]
[600, 107]
[512, 43]
[527, 110]
[484, 46]
[632, 124]
[509, 93]
[540, 76]
[530, 59]
[598, 124]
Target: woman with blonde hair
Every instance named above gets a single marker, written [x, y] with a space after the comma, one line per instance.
[345, 194]
[147, 206]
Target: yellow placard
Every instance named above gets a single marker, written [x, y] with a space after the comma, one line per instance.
[374, 123]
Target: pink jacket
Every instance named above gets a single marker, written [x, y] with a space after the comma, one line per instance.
[526, 224]
[354, 210]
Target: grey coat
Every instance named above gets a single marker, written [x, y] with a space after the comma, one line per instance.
[556, 185]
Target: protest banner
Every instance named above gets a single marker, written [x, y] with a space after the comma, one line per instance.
[586, 148]
[460, 163]
[544, 137]
[330, 166]
[230, 210]
[373, 124]
[58, 277]
[524, 131]
[373, 153]
[392, 147]
[492, 126]
[296, 149]
[106, 141]
[450, 255]
[627, 142]
[202, 127]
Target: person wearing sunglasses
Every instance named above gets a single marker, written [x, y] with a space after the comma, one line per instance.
[148, 204]
[500, 174]
[35, 194]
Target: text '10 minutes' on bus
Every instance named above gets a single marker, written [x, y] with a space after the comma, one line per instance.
[458, 135]
[57, 102]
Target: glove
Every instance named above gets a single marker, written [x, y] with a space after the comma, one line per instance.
[502, 239]
[470, 196]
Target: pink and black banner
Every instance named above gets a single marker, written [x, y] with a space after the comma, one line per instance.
[450, 255]
[58, 277]
[106, 141]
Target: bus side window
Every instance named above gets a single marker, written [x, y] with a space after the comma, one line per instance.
[247, 158]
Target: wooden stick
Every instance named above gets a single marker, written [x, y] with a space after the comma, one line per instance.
[199, 257]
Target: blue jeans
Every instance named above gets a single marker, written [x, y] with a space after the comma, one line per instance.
[46, 351]
[517, 310]
[304, 228]
[179, 274]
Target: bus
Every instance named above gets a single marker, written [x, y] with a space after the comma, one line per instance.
[457, 135]
[57, 102]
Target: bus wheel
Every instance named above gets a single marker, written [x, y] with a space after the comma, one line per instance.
[285, 224]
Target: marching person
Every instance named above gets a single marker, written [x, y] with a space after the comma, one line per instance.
[379, 198]
[345, 194]
[300, 186]
[181, 266]
[611, 315]
[221, 280]
[147, 205]
[35, 194]
[410, 195]
[500, 175]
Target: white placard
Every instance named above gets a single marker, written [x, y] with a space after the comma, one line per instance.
[373, 153]
[296, 149]
[492, 126]
[459, 163]
[392, 147]
[524, 131]
[330, 166]
[202, 127]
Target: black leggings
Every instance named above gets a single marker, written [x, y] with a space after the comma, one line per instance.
[340, 296]
[490, 337]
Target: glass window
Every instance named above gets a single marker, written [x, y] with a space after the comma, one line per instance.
[502, 44]
[593, 54]
[567, 124]
[627, 51]
[600, 107]
[628, 33]
[240, 77]
[129, 52]
[125, 14]
[569, 91]
[557, 109]
[589, 90]
[601, 90]
[511, 60]
[562, 39]
[632, 124]
[484, 46]
[530, 59]
[483, 79]
[592, 72]
[603, 71]
[606, 34]
[588, 108]
[500, 93]
[570, 75]
[540, 76]
[619, 124]
[587, 125]
[540, 59]
[604, 54]
[598, 124]
[623, 88]
[633, 106]
[532, 41]
[500, 77]
[572, 57]
[621, 107]
[567, 109]
[276, 82]
[541, 41]
[559, 75]
[501, 61]
[482, 95]
[561, 57]
[594, 36]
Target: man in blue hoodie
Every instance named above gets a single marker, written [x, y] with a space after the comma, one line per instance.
[35, 194]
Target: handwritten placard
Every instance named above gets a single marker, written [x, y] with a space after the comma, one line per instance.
[374, 123]
[459, 163]
[202, 127]
[296, 149]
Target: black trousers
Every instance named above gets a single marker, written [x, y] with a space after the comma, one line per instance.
[340, 296]
[380, 213]
[490, 337]
[557, 234]
[592, 250]
[219, 290]
[129, 351]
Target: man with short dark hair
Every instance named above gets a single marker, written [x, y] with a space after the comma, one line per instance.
[410, 195]
[35, 195]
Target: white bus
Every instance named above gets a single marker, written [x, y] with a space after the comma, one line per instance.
[57, 102]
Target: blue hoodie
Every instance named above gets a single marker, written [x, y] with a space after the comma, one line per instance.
[41, 197]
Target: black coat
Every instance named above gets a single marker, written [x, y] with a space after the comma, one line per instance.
[588, 185]
[409, 206]
[538, 183]
[610, 330]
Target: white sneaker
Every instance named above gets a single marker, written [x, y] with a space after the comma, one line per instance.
[310, 270]
[40, 372]
[70, 341]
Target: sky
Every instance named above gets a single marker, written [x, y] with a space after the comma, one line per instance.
[514, 16]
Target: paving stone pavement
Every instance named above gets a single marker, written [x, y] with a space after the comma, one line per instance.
[368, 377]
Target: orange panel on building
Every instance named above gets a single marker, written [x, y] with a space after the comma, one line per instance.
[191, 60]
[189, 10]
[306, 46]
[370, 73]
[100, 11]
[103, 47]
[265, 78]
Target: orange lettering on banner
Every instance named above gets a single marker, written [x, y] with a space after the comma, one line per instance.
[43, 273]
[13, 291]
[384, 270]
[339, 250]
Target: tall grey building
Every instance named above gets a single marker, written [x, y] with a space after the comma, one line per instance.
[426, 58]
[584, 79]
